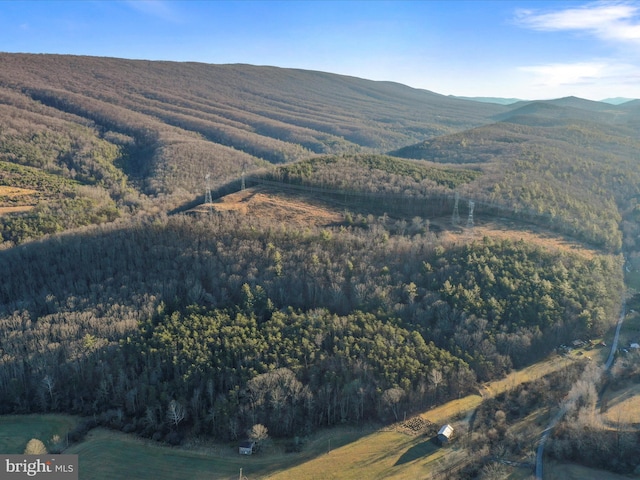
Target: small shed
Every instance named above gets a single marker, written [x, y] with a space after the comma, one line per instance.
[246, 447]
[445, 433]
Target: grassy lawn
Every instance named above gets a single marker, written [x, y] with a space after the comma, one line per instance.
[17, 430]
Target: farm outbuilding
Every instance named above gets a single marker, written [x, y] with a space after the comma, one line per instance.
[445, 433]
[246, 448]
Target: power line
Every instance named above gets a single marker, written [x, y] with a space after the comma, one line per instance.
[470, 218]
[207, 196]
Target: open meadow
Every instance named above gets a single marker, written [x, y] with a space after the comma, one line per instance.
[17, 430]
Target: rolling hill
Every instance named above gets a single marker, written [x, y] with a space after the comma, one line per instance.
[221, 118]
[570, 163]
[339, 290]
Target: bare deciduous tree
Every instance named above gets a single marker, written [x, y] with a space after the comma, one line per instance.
[391, 399]
[48, 383]
[175, 412]
[435, 377]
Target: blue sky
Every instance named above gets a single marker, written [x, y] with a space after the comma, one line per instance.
[522, 49]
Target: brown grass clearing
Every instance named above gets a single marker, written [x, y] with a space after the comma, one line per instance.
[303, 210]
[506, 229]
[18, 209]
[623, 405]
[13, 192]
[279, 207]
[527, 374]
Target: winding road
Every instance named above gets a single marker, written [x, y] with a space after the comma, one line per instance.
[556, 418]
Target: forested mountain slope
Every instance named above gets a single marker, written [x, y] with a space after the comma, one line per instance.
[243, 322]
[573, 169]
[219, 118]
[115, 307]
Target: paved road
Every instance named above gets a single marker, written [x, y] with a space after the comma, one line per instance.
[614, 344]
[563, 409]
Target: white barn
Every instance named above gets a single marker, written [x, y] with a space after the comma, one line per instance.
[445, 433]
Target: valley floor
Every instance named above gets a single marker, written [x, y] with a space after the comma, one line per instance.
[340, 453]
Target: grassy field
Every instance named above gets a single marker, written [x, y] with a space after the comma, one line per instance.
[390, 454]
[570, 471]
[17, 430]
[383, 454]
[623, 406]
[111, 455]
[343, 453]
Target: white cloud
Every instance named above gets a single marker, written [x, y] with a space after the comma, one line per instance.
[619, 21]
[595, 80]
[614, 22]
[556, 74]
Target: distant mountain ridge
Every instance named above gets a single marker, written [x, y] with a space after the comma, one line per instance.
[511, 101]
[496, 100]
[617, 100]
[223, 118]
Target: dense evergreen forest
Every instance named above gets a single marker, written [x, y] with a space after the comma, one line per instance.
[117, 305]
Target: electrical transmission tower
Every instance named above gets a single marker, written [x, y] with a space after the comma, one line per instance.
[242, 184]
[207, 196]
[455, 218]
[470, 219]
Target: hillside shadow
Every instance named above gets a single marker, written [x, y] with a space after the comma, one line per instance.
[421, 450]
